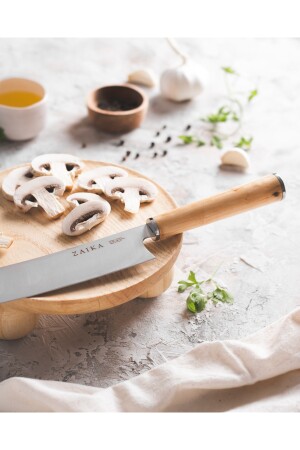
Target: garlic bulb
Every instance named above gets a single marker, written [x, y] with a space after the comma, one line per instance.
[234, 159]
[146, 77]
[183, 82]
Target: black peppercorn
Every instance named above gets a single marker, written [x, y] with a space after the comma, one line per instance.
[137, 156]
[152, 144]
[169, 138]
[157, 134]
[188, 127]
[128, 153]
[165, 152]
[154, 154]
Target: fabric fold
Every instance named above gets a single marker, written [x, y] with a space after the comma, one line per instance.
[258, 373]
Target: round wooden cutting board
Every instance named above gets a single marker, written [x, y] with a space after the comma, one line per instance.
[35, 235]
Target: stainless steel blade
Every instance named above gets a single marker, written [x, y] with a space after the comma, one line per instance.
[75, 265]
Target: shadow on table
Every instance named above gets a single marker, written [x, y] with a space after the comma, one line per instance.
[87, 134]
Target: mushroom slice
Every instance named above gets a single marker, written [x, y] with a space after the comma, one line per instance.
[5, 241]
[132, 191]
[95, 180]
[63, 166]
[41, 191]
[82, 197]
[15, 179]
[85, 216]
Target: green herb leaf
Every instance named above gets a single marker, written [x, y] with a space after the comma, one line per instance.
[200, 294]
[222, 115]
[216, 141]
[244, 143]
[192, 277]
[252, 94]
[229, 70]
[221, 295]
[191, 281]
[2, 135]
[196, 301]
[187, 139]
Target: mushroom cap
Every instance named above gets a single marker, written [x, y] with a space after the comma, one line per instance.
[82, 197]
[85, 216]
[27, 190]
[236, 158]
[15, 179]
[145, 188]
[95, 180]
[42, 164]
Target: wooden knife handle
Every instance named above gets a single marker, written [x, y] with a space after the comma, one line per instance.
[242, 198]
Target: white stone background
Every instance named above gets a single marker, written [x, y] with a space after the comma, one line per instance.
[104, 348]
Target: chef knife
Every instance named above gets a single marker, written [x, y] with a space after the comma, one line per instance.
[126, 249]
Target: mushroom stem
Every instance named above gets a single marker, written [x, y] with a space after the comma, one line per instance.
[5, 241]
[49, 203]
[131, 200]
[88, 223]
[59, 170]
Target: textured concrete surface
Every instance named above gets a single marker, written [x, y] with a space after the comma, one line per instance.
[259, 251]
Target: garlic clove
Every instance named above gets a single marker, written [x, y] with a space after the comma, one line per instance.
[234, 159]
[145, 77]
[184, 82]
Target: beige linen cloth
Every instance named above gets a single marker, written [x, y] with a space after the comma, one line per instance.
[258, 373]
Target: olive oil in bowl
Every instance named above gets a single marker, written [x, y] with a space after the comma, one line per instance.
[19, 99]
[23, 108]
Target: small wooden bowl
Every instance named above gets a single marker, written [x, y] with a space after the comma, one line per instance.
[117, 121]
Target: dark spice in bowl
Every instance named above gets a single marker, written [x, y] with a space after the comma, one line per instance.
[117, 108]
[116, 105]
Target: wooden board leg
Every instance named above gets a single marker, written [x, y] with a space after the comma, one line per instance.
[160, 287]
[15, 323]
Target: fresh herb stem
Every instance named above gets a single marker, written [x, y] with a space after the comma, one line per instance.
[232, 111]
[200, 294]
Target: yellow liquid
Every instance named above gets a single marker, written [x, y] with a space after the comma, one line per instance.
[19, 99]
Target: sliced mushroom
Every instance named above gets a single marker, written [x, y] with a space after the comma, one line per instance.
[95, 180]
[82, 197]
[41, 191]
[235, 159]
[132, 191]
[63, 166]
[85, 216]
[5, 241]
[15, 179]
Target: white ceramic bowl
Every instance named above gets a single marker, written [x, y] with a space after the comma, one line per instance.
[22, 123]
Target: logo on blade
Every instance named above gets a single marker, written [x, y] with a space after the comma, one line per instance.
[94, 247]
[85, 250]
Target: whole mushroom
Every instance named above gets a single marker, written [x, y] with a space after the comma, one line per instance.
[89, 212]
[63, 166]
[95, 180]
[41, 191]
[15, 179]
[132, 192]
